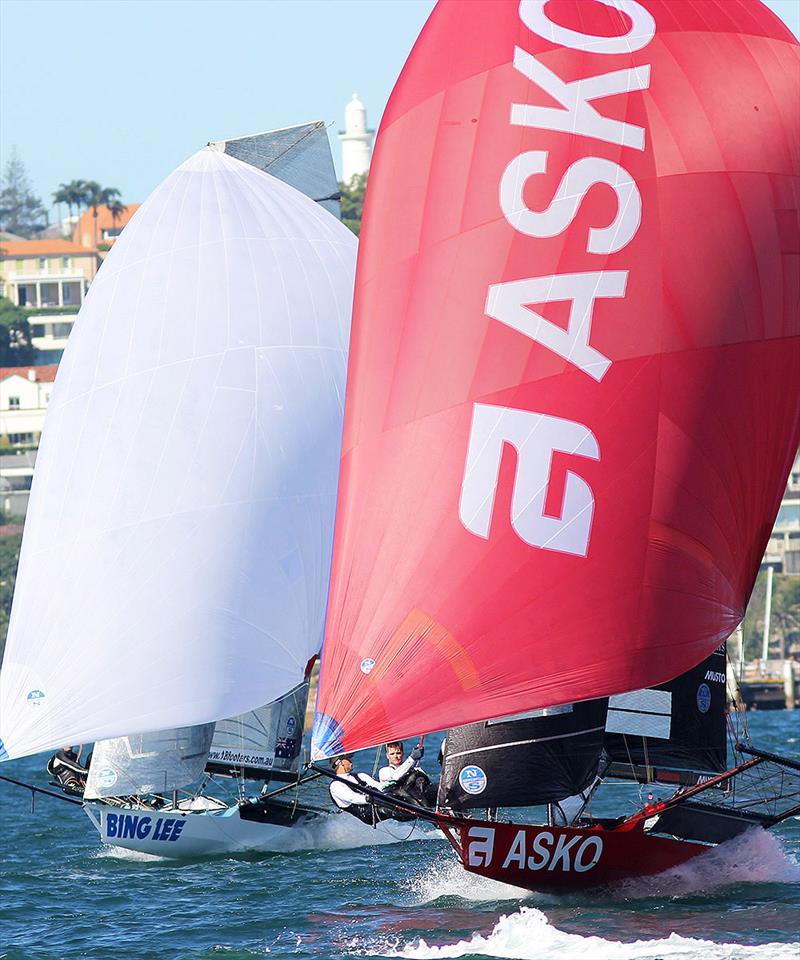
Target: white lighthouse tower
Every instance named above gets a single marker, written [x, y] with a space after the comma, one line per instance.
[356, 140]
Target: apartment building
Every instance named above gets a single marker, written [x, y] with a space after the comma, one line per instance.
[783, 549]
[24, 395]
[46, 273]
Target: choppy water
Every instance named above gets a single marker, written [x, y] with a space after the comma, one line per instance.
[63, 896]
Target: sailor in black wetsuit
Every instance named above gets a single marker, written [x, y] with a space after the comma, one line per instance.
[353, 801]
[65, 767]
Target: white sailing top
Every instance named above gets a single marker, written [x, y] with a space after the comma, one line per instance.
[344, 797]
[390, 774]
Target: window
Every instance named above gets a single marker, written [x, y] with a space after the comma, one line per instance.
[788, 516]
[66, 263]
[20, 438]
[37, 330]
[13, 403]
[62, 330]
[71, 293]
[42, 264]
[48, 293]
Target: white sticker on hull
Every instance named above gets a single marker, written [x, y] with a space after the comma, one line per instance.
[127, 826]
[540, 851]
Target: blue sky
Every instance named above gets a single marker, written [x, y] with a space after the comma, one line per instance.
[121, 91]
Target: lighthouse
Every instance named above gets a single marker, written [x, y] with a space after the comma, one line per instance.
[356, 140]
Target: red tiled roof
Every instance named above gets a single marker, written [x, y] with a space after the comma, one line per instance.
[41, 248]
[85, 226]
[43, 374]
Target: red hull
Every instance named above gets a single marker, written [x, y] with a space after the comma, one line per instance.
[563, 858]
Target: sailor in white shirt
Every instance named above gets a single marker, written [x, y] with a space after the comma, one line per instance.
[406, 776]
[397, 766]
[353, 801]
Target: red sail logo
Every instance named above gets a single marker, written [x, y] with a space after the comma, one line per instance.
[536, 436]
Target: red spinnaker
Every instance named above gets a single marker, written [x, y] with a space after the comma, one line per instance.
[573, 387]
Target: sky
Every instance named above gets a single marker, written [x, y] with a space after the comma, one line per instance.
[122, 91]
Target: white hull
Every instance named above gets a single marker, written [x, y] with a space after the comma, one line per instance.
[185, 834]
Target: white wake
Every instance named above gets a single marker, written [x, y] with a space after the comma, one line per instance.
[528, 935]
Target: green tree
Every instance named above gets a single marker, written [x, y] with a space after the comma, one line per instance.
[62, 196]
[786, 607]
[20, 211]
[9, 558]
[116, 209]
[16, 349]
[785, 619]
[97, 196]
[72, 193]
[352, 201]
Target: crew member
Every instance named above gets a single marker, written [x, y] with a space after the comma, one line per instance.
[354, 801]
[65, 767]
[405, 777]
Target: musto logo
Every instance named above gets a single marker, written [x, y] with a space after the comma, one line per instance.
[124, 825]
[533, 851]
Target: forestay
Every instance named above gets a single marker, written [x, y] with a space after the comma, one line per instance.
[177, 547]
[572, 395]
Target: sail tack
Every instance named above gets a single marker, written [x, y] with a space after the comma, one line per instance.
[176, 553]
[572, 396]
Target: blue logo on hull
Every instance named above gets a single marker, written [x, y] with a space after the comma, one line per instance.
[473, 780]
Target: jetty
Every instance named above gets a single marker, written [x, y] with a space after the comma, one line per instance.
[766, 685]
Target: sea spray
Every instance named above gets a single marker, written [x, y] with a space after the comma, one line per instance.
[528, 935]
[446, 878]
[753, 857]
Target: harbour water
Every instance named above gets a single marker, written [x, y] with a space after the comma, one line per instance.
[63, 896]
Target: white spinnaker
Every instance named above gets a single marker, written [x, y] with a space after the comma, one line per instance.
[176, 555]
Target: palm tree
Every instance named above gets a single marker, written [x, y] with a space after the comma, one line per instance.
[63, 195]
[97, 196]
[116, 209]
[73, 194]
[78, 190]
